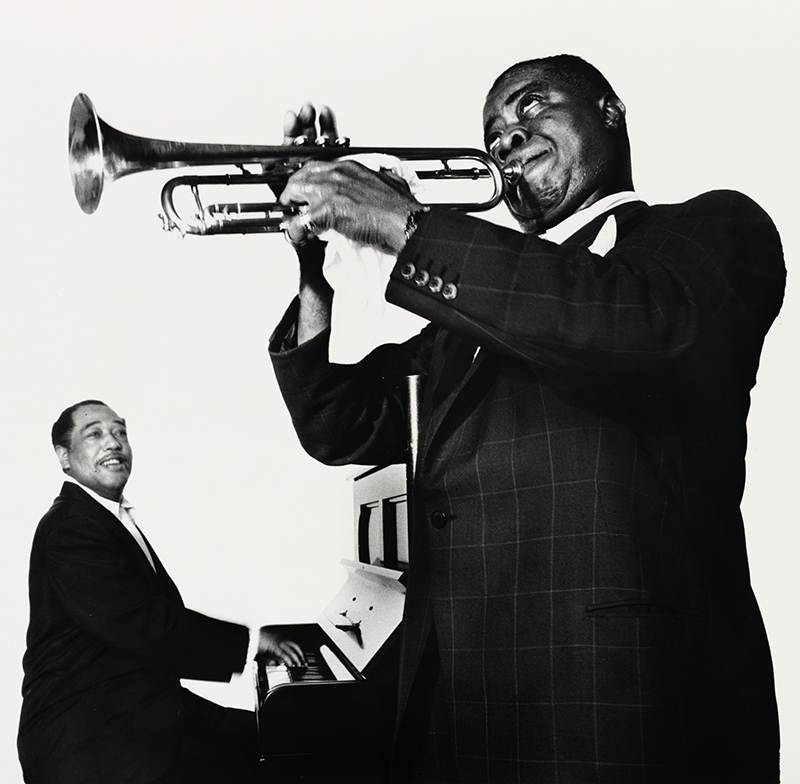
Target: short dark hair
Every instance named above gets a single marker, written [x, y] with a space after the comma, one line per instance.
[65, 424]
[567, 70]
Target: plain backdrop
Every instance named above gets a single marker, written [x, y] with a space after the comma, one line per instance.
[172, 332]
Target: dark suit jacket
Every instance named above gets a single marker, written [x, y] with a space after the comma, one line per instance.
[108, 641]
[578, 563]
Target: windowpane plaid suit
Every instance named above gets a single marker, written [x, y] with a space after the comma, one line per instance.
[579, 595]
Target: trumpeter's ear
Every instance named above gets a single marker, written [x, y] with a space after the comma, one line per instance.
[63, 457]
[612, 110]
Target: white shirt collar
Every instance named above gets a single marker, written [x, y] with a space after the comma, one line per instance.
[568, 226]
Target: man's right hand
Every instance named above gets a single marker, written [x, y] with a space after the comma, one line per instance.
[279, 650]
[300, 128]
[307, 127]
[303, 125]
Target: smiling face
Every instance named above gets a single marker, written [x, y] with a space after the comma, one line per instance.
[98, 456]
[572, 150]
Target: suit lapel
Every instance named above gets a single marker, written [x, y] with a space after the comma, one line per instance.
[457, 385]
[165, 579]
[98, 512]
[625, 214]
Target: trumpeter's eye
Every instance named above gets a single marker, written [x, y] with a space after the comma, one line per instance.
[528, 103]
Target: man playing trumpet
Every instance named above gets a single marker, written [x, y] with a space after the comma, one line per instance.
[579, 606]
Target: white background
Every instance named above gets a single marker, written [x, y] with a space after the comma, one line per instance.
[172, 333]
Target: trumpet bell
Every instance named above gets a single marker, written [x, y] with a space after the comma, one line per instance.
[86, 161]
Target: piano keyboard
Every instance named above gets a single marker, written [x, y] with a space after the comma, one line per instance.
[325, 667]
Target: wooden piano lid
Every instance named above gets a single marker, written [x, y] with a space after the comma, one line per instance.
[365, 612]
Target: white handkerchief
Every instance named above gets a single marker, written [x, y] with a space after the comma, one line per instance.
[361, 318]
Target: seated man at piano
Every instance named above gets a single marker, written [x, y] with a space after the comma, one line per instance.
[109, 639]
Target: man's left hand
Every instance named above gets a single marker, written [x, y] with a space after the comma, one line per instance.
[370, 208]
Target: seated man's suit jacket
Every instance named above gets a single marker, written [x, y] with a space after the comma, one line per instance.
[578, 592]
[108, 641]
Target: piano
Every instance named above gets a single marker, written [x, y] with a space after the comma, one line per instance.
[332, 722]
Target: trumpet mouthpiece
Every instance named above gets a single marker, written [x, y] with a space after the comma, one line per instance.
[512, 172]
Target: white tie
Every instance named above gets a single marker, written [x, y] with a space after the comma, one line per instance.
[126, 516]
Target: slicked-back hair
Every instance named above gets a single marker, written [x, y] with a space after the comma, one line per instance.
[65, 424]
[569, 71]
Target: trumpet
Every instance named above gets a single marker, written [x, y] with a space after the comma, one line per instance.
[98, 153]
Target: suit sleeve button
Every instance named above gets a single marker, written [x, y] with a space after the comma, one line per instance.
[439, 519]
[450, 291]
[408, 270]
[422, 277]
[435, 284]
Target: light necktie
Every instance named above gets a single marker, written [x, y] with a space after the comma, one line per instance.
[126, 516]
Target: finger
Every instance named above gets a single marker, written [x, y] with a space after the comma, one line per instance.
[294, 654]
[307, 114]
[291, 127]
[300, 124]
[289, 656]
[327, 123]
[307, 118]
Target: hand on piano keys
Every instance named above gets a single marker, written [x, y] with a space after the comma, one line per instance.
[278, 650]
[321, 665]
